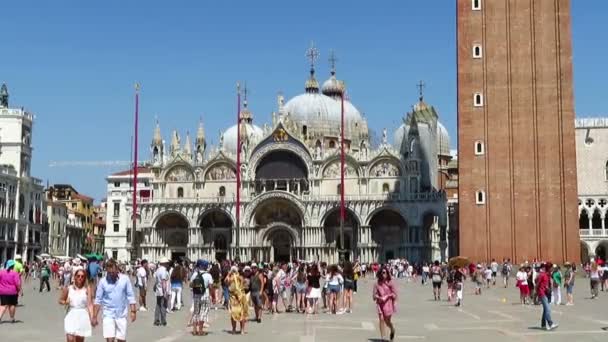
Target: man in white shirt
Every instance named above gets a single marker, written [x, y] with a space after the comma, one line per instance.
[141, 283]
[161, 290]
[494, 268]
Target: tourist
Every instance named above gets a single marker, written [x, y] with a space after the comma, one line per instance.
[594, 279]
[542, 289]
[177, 276]
[478, 279]
[459, 285]
[425, 273]
[276, 289]
[45, 275]
[239, 307]
[506, 272]
[200, 282]
[569, 277]
[93, 270]
[313, 294]
[20, 269]
[349, 286]
[300, 288]
[334, 283]
[436, 279]
[556, 292]
[256, 288]
[449, 276]
[141, 282]
[77, 321]
[162, 290]
[216, 288]
[521, 279]
[115, 294]
[487, 274]
[357, 275]
[10, 287]
[385, 296]
[494, 268]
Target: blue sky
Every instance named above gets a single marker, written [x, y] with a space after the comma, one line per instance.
[74, 63]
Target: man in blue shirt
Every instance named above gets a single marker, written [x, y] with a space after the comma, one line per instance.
[115, 294]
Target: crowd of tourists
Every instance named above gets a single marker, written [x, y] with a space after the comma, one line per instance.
[97, 292]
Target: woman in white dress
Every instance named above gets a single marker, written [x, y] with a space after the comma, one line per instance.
[77, 322]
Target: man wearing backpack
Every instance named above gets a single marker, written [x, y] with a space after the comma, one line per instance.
[45, 274]
[200, 282]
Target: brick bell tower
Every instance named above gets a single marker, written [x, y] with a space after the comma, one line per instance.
[516, 147]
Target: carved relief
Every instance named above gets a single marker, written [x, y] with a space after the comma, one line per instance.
[333, 171]
[280, 135]
[385, 169]
[179, 174]
[221, 172]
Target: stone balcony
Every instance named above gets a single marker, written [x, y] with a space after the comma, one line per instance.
[593, 233]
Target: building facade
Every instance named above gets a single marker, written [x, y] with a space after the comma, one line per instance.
[290, 187]
[516, 153]
[99, 227]
[22, 204]
[57, 218]
[592, 170]
[81, 209]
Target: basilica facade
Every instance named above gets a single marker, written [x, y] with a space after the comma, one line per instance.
[290, 187]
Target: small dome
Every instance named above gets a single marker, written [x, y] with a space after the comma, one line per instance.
[333, 87]
[443, 140]
[318, 107]
[230, 136]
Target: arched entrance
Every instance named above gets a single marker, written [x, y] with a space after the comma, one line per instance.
[216, 225]
[390, 233]
[331, 228]
[281, 170]
[601, 251]
[173, 228]
[279, 223]
[281, 244]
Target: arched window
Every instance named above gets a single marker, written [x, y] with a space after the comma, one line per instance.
[222, 191]
[480, 197]
[478, 100]
[479, 148]
[304, 131]
[180, 192]
[596, 219]
[332, 144]
[385, 188]
[583, 220]
[339, 189]
[477, 51]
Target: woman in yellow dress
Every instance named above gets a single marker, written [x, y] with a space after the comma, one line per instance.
[239, 308]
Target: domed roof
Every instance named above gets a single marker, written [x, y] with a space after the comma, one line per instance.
[332, 87]
[230, 136]
[442, 138]
[311, 108]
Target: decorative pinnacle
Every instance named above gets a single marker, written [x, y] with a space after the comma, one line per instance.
[312, 54]
[137, 86]
[332, 62]
[421, 86]
[245, 95]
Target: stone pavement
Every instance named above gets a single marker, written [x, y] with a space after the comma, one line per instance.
[495, 316]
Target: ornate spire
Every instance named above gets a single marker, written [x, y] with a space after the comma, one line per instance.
[157, 139]
[245, 115]
[312, 86]
[175, 143]
[333, 87]
[188, 145]
[200, 133]
[3, 96]
[421, 105]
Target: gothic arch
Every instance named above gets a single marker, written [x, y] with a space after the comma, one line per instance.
[371, 214]
[347, 210]
[172, 172]
[216, 210]
[261, 199]
[264, 235]
[348, 161]
[165, 214]
[299, 150]
[375, 167]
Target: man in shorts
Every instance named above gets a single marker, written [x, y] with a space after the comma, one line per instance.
[141, 282]
[256, 286]
[115, 294]
[200, 281]
[494, 268]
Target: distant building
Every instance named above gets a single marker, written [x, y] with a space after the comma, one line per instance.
[99, 227]
[592, 171]
[22, 206]
[57, 219]
[117, 242]
[80, 207]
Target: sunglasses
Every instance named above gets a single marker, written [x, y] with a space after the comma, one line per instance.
[79, 276]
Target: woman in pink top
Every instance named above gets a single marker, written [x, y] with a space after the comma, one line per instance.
[385, 296]
[10, 286]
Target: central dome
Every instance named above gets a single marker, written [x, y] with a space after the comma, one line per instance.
[322, 114]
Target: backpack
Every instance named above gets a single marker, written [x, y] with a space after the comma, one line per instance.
[505, 268]
[198, 284]
[45, 272]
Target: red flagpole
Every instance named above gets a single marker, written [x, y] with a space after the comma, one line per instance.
[238, 165]
[342, 209]
[135, 143]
